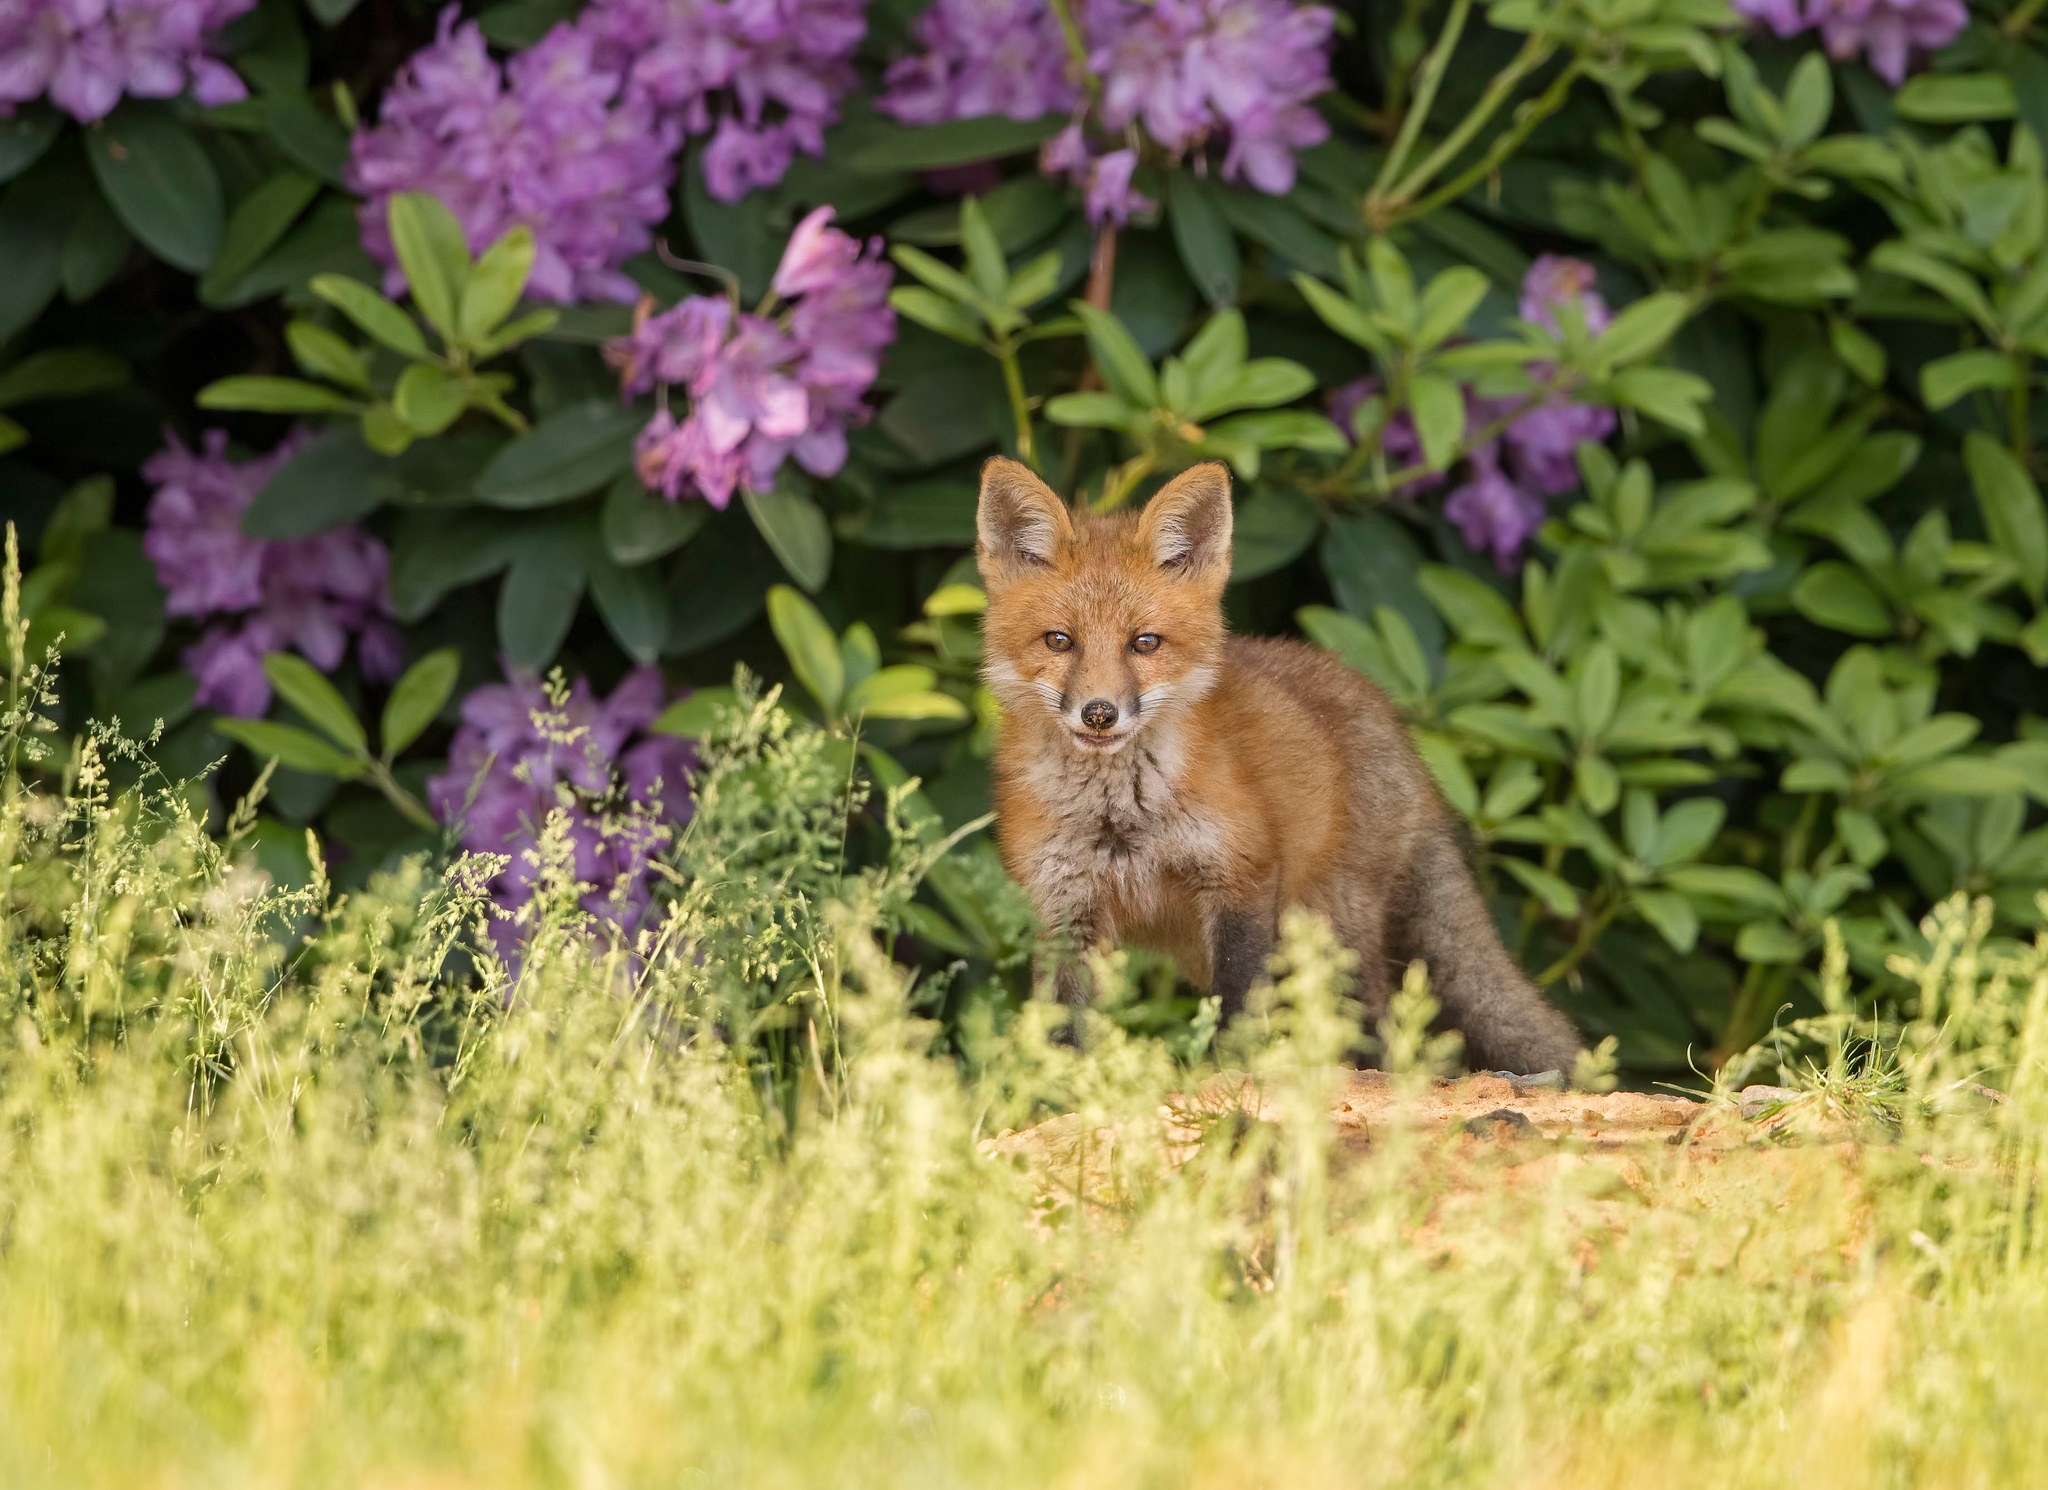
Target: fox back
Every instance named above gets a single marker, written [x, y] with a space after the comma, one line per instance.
[1160, 782]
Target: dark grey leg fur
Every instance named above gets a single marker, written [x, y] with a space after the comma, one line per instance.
[1240, 946]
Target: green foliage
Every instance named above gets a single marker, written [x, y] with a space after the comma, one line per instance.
[1772, 665]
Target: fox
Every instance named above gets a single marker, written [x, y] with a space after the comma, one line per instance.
[1161, 782]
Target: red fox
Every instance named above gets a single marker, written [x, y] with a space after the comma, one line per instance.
[1161, 782]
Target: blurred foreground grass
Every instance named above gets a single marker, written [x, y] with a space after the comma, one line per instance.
[305, 1189]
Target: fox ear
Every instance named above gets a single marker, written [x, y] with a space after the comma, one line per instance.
[1187, 525]
[1021, 521]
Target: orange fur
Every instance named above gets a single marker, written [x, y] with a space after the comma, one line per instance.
[1239, 776]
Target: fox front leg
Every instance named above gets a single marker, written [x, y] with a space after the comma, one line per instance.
[1240, 946]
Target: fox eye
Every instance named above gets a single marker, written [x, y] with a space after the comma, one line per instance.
[1059, 641]
[1145, 643]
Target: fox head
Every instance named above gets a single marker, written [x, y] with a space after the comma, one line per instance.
[1100, 627]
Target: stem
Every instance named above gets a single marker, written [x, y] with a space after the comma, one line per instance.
[1077, 48]
[1020, 406]
[1534, 53]
[1762, 990]
[1102, 268]
[2021, 20]
[1590, 927]
[1506, 143]
[1434, 66]
[409, 807]
[1123, 482]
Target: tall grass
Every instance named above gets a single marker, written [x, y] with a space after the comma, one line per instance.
[303, 1189]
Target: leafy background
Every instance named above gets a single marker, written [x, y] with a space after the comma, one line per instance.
[1774, 661]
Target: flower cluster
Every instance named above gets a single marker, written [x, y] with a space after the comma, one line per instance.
[763, 388]
[84, 54]
[982, 57]
[526, 748]
[552, 140]
[1508, 478]
[1889, 33]
[308, 595]
[1234, 74]
[762, 77]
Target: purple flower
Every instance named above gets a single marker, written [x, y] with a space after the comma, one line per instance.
[982, 57]
[763, 389]
[1230, 76]
[308, 595]
[762, 77]
[1782, 16]
[85, 54]
[552, 141]
[1492, 512]
[1553, 280]
[1887, 32]
[1542, 445]
[524, 750]
[1190, 70]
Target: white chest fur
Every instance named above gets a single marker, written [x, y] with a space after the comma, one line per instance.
[1120, 824]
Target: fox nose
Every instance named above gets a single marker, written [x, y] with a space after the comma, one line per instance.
[1098, 713]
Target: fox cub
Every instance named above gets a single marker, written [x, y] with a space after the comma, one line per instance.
[1160, 782]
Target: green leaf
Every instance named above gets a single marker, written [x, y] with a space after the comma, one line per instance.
[573, 451]
[307, 137]
[275, 396]
[1642, 327]
[633, 604]
[94, 250]
[1272, 529]
[417, 698]
[1665, 394]
[1448, 304]
[987, 267]
[812, 649]
[1809, 99]
[495, 284]
[1767, 941]
[1956, 98]
[434, 256]
[1092, 411]
[1947, 379]
[323, 354]
[428, 399]
[696, 714]
[1124, 367]
[2011, 505]
[797, 532]
[160, 183]
[934, 312]
[1342, 315]
[1557, 895]
[376, 316]
[292, 748]
[1262, 384]
[1207, 247]
[1672, 915]
[538, 600]
[893, 149]
[1478, 613]
[1438, 405]
[1279, 429]
[259, 220]
[1598, 691]
[1832, 594]
[62, 372]
[639, 526]
[303, 686]
[24, 138]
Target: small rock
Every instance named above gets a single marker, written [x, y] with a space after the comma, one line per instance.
[1758, 1100]
[1502, 1123]
[1542, 1081]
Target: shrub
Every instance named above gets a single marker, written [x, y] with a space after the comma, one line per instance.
[1640, 390]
